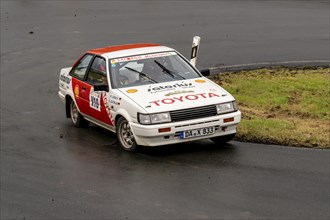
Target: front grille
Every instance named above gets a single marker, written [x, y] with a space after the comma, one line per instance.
[193, 113]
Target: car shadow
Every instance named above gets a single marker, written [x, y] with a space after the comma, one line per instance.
[107, 141]
[201, 146]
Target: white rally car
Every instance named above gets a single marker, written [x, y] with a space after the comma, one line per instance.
[148, 95]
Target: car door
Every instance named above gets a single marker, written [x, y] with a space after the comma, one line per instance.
[79, 86]
[92, 103]
[97, 73]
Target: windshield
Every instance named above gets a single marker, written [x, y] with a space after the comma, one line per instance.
[149, 69]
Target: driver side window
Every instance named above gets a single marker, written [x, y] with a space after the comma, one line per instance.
[97, 73]
[80, 69]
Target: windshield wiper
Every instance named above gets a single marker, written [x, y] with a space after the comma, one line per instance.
[141, 74]
[169, 72]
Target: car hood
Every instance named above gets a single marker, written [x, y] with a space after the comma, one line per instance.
[175, 95]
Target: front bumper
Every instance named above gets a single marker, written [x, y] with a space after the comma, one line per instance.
[149, 135]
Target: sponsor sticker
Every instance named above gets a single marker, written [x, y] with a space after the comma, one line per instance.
[182, 85]
[114, 100]
[132, 91]
[179, 92]
[141, 57]
[184, 98]
[65, 79]
[76, 91]
[107, 108]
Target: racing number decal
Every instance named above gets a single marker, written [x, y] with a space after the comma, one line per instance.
[95, 100]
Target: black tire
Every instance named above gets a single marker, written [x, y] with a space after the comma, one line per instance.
[77, 119]
[223, 139]
[125, 136]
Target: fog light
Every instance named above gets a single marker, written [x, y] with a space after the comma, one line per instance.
[162, 130]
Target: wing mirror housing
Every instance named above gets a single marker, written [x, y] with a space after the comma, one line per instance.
[101, 87]
[205, 72]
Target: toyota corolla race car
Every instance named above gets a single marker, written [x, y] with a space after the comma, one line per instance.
[148, 95]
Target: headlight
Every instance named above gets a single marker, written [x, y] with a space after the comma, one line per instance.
[144, 119]
[154, 118]
[226, 107]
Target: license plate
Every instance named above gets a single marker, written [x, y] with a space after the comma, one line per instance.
[197, 132]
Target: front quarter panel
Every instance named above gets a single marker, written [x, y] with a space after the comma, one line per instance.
[122, 105]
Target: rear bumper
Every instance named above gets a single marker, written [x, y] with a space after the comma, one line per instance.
[149, 135]
[62, 97]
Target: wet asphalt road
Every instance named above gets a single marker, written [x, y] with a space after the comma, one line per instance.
[85, 175]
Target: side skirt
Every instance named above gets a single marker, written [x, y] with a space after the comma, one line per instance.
[99, 123]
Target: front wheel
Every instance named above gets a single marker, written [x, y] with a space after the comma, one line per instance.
[223, 139]
[76, 118]
[125, 135]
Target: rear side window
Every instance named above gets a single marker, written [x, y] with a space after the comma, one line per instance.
[79, 70]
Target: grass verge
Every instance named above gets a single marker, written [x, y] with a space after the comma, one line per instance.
[285, 106]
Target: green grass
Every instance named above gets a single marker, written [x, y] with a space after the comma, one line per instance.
[283, 105]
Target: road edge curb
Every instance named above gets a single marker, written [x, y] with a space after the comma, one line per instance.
[252, 66]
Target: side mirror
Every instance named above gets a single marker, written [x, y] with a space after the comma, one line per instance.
[101, 87]
[205, 72]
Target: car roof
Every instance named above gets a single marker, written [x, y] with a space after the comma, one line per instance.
[129, 50]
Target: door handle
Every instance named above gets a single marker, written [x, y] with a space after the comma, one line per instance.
[83, 88]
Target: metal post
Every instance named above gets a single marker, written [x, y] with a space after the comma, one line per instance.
[194, 50]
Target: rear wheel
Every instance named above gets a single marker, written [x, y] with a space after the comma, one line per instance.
[223, 139]
[125, 135]
[76, 118]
